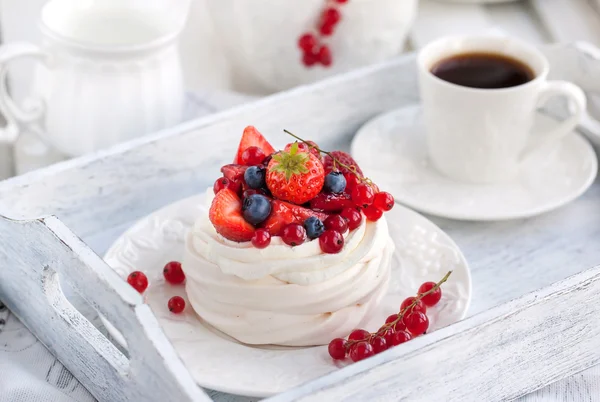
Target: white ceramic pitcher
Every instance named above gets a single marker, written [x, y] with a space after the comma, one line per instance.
[110, 72]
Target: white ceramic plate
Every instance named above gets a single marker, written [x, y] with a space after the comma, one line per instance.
[424, 253]
[392, 148]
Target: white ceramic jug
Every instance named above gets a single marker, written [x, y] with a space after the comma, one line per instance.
[110, 72]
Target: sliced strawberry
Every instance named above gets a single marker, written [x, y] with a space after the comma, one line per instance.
[284, 213]
[252, 138]
[234, 172]
[344, 159]
[226, 216]
[331, 202]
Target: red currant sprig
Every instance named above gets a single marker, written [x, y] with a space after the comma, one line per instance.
[364, 194]
[314, 51]
[410, 322]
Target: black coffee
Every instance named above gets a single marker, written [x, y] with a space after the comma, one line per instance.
[483, 70]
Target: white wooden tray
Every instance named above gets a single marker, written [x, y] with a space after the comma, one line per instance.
[534, 340]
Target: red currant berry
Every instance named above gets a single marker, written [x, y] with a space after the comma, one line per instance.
[331, 16]
[326, 29]
[353, 216]
[138, 280]
[293, 234]
[253, 156]
[387, 334]
[379, 344]
[416, 322]
[309, 59]
[220, 184]
[307, 42]
[224, 182]
[373, 213]
[325, 56]
[261, 238]
[314, 149]
[176, 304]
[400, 326]
[352, 181]
[359, 335]
[173, 273]
[362, 195]
[337, 223]
[432, 298]
[341, 1]
[360, 351]
[400, 337]
[384, 201]
[420, 306]
[331, 242]
[337, 348]
[391, 318]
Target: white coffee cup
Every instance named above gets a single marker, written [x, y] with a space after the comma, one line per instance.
[483, 135]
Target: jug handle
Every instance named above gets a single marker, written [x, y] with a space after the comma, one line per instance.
[15, 115]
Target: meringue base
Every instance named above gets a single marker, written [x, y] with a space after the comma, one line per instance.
[272, 310]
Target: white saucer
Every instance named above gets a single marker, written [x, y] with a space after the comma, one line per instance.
[423, 253]
[392, 148]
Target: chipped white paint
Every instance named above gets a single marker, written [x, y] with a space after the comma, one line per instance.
[99, 196]
[36, 256]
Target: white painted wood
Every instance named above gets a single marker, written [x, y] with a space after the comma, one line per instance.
[519, 19]
[99, 196]
[503, 353]
[34, 256]
[569, 20]
[436, 19]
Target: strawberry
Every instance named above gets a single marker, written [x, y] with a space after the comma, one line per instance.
[295, 176]
[331, 202]
[303, 147]
[234, 172]
[226, 216]
[343, 158]
[284, 213]
[252, 138]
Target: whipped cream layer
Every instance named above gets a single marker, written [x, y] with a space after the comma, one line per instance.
[282, 295]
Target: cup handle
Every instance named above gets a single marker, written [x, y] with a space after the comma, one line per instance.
[17, 116]
[563, 89]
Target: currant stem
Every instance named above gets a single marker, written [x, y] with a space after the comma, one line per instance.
[335, 160]
[403, 311]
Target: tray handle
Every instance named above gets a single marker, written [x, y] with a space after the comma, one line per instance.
[35, 256]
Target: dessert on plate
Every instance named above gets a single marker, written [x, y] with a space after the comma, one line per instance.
[294, 249]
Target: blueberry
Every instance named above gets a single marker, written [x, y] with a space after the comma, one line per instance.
[256, 208]
[314, 227]
[255, 177]
[335, 183]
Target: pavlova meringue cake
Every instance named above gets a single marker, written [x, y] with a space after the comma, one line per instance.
[294, 249]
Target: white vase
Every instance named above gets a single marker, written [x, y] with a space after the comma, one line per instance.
[260, 37]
